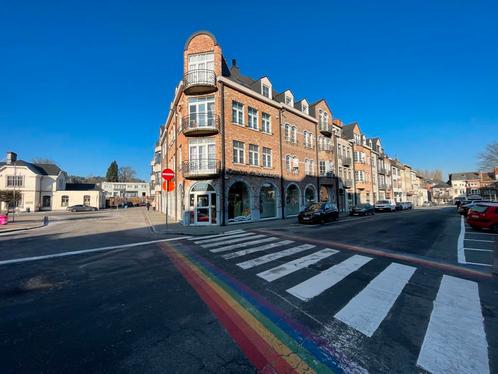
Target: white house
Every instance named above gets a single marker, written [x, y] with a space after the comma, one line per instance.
[127, 190]
[44, 186]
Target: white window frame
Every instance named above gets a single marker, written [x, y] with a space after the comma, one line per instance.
[267, 157]
[265, 123]
[238, 152]
[15, 181]
[237, 113]
[263, 86]
[252, 118]
[253, 154]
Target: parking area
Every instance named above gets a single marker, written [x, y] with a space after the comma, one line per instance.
[476, 247]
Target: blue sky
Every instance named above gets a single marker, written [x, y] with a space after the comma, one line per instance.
[88, 82]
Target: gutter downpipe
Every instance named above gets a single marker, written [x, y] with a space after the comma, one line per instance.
[223, 163]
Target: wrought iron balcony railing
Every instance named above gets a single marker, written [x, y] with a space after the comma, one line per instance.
[199, 82]
[201, 124]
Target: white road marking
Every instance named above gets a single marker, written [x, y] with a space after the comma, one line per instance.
[292, 266]
[460, 245]
[230, 241]
[367, 310]
[244, 245]
[326, 279]
[92, 250]
[274, 256]
[478, 263]
[481, 233]
[227, 233]
[455, 341]
[265, 247]
[224, 237]
[478, 249]
[480, 240]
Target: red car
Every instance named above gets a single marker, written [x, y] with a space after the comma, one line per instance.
[483, 216]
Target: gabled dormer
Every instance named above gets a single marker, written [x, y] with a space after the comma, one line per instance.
[263, 86]
[286, 97]
[321, 111]
[303, 106]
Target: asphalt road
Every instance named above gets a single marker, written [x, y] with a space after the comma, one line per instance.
[379, 294]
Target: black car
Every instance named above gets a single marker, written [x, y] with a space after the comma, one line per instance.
[80, 208]
[319, 213]
[362, 210]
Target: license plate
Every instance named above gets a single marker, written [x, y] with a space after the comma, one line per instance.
[306, 218]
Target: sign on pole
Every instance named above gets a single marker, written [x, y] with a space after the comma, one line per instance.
[168, 186]
[168, 174]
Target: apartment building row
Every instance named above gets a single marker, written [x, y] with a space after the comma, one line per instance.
[243, 151]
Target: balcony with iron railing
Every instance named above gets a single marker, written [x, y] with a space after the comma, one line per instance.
[382, 186]
[382, 170]
[201, 124]
[325, 129]
[347, 183]
[325, 147]
[201, 168]
[199, 82]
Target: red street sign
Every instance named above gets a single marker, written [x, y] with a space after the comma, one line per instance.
[168, 174]
[168, 186]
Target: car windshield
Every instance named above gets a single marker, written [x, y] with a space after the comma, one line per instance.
[314, 206]
[382, 202]
[479, 208]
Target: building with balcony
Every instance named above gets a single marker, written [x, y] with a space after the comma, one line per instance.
[243, 151]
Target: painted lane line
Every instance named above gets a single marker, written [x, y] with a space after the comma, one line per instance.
[482, 233]
[292, 266]
[369, 308]
[224, 237]
[455, 341]
[226, 233]
[478, 249]
[92, 250]
[265, 247]
[480, 240]
[327, 278]
[460, 245]
[479, 263]
[274, 256]
[231, 241]
[244, 245]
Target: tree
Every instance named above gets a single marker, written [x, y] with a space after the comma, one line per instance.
[9, 197]
[42, 160]
[127, 174]
[112, 172]
[488, 159]
[436, 174]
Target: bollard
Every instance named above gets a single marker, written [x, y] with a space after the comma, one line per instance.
[45, 220]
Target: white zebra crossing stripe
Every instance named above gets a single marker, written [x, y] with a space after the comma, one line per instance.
[274, 256]
[244, 245]
[226, 233]
[230, 241]
[455, 341]
[292, 266]
[367, 310]
[326, 279]
[224, 237]
[265, 247]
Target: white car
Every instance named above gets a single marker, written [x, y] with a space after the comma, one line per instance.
[385, 205]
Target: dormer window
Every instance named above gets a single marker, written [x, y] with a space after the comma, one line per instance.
[288, 100]
[265, 90]
[305, 108]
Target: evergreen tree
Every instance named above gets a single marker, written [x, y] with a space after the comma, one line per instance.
[112, 172]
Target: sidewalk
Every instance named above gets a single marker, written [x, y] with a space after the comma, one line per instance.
[157, 222]
[23, 222]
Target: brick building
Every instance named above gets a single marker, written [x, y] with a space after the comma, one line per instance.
[243, 151]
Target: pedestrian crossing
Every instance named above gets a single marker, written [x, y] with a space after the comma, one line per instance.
[454, 340]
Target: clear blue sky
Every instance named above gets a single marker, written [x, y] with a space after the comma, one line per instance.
[87, 82]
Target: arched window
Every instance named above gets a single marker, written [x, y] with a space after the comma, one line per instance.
[292, 197]
[320, 117]
[294, 134]
[309, 195]
[267, 201]
[64, 200]
[202, 187]
[239, 203]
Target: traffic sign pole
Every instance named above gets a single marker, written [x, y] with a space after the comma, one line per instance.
[167, 174]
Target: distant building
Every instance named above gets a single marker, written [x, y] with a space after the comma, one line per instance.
[44, 186]
[441, 193]
[125, 189]
[475, 184]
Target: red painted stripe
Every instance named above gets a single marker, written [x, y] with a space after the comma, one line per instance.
[257, 350]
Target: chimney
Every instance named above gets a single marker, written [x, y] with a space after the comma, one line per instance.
[234, 63]
[234, 69]
[11, 157]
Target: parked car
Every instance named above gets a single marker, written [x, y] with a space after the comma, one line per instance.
[405, 205]
[80, 208]
[362, 210]
[483, 216]
[319, 213]
[384, 205]
[464, 209]
[399, 206]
